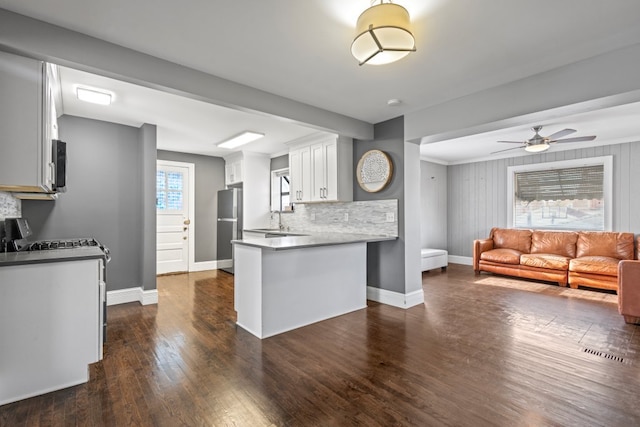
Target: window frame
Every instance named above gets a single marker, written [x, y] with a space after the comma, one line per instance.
[607, 184]
[276, 189]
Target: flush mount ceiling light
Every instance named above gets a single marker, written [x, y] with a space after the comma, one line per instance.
[93, 96]
[241, 139]
[383, 35]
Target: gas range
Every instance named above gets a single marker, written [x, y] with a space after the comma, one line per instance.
[44, 245]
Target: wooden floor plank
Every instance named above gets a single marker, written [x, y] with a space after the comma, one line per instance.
[482, 351]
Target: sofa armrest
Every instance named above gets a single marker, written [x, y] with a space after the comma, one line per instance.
[479, 246]
[629, 290]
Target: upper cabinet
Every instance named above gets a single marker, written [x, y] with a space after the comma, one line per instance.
[233, 169]
[321, 169]
[28, 122]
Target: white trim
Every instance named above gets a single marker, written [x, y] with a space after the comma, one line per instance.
[464, 260]
[224, 263]
[204, 266]
[395, 299]
[192, 206]
[607, 184]
[123, 296]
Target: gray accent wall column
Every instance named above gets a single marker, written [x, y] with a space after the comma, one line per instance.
[147, 143]
[390, 265]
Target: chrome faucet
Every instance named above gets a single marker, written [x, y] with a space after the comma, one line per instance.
[280, 226]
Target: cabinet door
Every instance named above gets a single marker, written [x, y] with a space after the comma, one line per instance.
[317, 173]
[233, 172]
[300, 171]
[330, 152]
[21, 122]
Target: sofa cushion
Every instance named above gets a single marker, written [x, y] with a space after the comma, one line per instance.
[502, 256]
[550, 261]
[520, 240]
[605, 244]
[554, 242]
[607, 266]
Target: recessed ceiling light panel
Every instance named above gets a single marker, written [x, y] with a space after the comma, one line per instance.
[93, 96]
[241, 139]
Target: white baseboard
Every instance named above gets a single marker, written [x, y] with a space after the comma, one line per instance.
[395, 299]
[225, 263]
[123, 296]
[464, 260]
[204, 265]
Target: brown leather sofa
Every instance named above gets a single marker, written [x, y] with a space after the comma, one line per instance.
[582, 258]
[629, 288]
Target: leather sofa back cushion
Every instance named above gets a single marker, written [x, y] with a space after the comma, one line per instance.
[519, 240]
[603, 243]
[554, 242]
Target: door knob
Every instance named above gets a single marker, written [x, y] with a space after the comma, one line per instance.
[187, 221]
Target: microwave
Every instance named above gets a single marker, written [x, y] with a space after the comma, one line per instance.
[59, 158]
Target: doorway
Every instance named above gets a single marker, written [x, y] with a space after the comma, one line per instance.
[174, 214]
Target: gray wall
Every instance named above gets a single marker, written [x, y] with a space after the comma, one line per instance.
[103, 198]
[280, 162]
[477, 197]
[209, 179]
[433, 205]
[147, 139]
[386, 260]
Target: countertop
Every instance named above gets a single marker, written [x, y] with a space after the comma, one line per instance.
[312, 240]
[53, 255]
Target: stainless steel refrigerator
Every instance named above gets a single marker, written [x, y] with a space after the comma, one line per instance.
[229, 223]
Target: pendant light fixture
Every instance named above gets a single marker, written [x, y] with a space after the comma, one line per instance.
[383, 35]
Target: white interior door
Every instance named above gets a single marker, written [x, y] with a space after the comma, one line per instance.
[173, 217]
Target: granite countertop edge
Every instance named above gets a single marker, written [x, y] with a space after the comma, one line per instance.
[312, 240]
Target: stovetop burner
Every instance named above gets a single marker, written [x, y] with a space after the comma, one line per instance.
[42, 245]
[62, 244]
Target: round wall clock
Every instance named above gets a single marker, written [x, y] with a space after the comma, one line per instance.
[374, 171]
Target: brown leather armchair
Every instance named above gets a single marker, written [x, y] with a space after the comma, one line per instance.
[629, 288]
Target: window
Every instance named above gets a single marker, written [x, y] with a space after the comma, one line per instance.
[280, 200]
[169, 190]
[566, 195]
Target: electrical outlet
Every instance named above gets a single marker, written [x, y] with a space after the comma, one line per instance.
[390, 217]
[313, 216]
[346, 217]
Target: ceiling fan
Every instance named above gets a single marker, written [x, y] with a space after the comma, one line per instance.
[540, 143]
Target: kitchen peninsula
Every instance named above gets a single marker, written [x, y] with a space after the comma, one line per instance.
[283, 283]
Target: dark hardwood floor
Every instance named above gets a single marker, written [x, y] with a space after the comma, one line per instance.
[482, 351]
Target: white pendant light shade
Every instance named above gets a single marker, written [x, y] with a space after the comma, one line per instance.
[383, 35]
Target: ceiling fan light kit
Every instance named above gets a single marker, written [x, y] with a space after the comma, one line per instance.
[539, 143]
[537, 148]
[383, 35]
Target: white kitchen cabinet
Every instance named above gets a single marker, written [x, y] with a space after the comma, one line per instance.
[28, 122]
[322, 169]
[50, 326]
[233, 169]
[300, 174]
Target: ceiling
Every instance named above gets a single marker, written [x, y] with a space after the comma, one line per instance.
[300, 50]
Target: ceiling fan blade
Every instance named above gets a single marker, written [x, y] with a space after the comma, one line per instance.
[576, 139]
[514, 148]
[561, 133]
[512, 142]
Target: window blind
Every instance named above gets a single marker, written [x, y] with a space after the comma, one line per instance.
[580, 183]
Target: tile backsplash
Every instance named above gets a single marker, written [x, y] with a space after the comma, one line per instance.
[367, 217]
[10, 207]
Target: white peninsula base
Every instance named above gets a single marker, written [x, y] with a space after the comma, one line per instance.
[280, 290]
